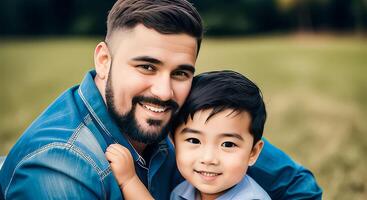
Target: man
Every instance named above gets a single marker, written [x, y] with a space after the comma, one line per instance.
[143, 73]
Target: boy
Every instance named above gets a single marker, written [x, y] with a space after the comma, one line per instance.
[217, 135]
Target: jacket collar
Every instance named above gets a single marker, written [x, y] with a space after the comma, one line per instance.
[96, 106]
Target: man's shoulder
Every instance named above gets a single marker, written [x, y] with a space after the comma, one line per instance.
[57, 149]
[55, 125]
[60, 133]
[60, 140]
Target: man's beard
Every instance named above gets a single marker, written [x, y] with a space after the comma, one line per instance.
[127, 122]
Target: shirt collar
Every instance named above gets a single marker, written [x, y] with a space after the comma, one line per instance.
[188, 191]
[241, 186]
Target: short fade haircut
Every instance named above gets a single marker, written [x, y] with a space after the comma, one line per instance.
[221, 90]
[164, 16]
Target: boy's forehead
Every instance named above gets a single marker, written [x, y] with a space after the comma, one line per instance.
[228, 120]
[228, 114]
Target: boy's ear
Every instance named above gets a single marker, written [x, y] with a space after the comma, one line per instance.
[255, 152]
[102, 60]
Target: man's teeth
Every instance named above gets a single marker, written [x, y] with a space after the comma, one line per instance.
[208, 174]
[154, 109]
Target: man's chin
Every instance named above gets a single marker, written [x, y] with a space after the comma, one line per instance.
[151, 130]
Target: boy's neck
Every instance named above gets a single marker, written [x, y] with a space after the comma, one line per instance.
[202, 196]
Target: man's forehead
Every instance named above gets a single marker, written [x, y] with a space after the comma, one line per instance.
[143, 37]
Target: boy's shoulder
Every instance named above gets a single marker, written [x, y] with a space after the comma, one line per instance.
[246, 189]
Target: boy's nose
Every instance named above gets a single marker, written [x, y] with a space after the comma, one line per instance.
[208, 157]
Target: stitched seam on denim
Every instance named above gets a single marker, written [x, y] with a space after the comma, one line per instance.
[75, 134]
[94, 165]
[94, 114]
[102, 173]
[87, 119]
[142, 166]
[106, 172]
[86, 157]
[45, 148]
[103, 176]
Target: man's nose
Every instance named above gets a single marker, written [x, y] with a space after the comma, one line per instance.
[162, 88]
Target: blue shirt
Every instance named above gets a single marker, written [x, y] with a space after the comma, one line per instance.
[61, 156]
[247, 189]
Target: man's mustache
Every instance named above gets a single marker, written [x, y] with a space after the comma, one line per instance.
[170, 104]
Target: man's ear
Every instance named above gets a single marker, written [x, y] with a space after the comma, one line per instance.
[102, 60]
[255, 152]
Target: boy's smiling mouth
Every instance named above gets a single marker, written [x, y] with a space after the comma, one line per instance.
[207, 173]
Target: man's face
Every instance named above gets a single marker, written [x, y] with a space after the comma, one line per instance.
[149, 79]
[213, 155]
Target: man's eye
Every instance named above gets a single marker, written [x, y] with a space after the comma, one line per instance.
[181, 75]
[193, 140]
[147, 67]
[228, 144]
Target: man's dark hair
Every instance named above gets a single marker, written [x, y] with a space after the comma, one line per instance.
[164, 16]
[221, 90]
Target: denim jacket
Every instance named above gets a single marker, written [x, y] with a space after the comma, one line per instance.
[61, 156]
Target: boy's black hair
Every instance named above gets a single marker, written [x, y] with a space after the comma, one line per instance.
[221, 90]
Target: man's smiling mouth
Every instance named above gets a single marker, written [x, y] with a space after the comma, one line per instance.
[154, 108]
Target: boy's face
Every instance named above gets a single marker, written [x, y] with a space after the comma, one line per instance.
[213, 155]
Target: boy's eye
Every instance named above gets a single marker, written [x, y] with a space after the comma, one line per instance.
[193, 140]
[228, 144]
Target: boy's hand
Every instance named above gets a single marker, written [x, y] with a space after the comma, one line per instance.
[122, 164]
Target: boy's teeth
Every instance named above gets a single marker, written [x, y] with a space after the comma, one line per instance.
[154, 109]
[209, 174]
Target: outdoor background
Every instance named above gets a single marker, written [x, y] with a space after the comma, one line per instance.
[308, 56]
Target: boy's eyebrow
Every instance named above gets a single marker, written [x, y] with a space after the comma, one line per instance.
[190, 130]
[235, 135]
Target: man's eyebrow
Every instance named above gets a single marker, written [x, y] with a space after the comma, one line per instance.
[158, 62]
[234, 135]
[187, 67]
[190, 130]
[147, 59]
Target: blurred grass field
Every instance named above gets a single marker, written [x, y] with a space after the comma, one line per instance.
[315, 89]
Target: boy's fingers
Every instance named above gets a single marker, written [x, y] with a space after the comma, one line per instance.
[119, 150]
[110, 156]
[118, 146]
[114, 157]
[113, 150]
[122, 149]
